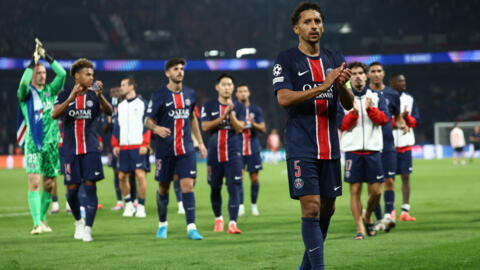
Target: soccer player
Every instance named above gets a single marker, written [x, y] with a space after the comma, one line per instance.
[251, 148]
[224, 119]
[273, 143]
[376, 74]
[362, 141]
[457, 141]
[172, 109]
[405, 141]
[475, 140]
[36, 99]
[83, 165]
[308, 80]
[130, 142]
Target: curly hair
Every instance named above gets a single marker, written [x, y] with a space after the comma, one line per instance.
[79, 65]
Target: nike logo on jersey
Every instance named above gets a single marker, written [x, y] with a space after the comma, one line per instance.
[379, 176]
[193, 172]
[313, 249]
[335, 188]
[238, 178]
[257, 166]
[302, 73]
[97, 173]
[215, 113]
[71, 103]
[169, 103]
[138, 165]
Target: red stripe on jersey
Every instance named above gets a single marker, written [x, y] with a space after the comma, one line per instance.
[222, 147]
[81, 147]
[178, 146]
[246, 142]
[316, 66]
[322, 129]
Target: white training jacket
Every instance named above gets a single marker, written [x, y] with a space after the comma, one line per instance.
[457, 139]
[131, 117]
[407, 102]
[365, 135]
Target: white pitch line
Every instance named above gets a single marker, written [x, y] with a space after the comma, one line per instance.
[15, 214]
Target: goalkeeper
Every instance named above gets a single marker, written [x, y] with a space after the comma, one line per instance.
[36, 99]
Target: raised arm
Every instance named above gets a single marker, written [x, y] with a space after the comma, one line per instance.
[23, 88]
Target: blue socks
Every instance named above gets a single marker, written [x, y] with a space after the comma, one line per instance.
[189, 205]
[141, 201]
[91, 204]
[313, 240]
[178, 191]
[233, 200]
[74, 202]
[240, 194]
[118, 192]
[216, 200]
[389, 198]
[254, 193]
[55, 198]
[162, 206]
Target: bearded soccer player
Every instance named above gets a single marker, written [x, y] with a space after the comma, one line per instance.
[171, 116]
[36, 99]
[251, 148]
[80, 108]
[376, 75]
[404, 141]
[130, 140]
[224, 119]
[361, 140]
[308, 80]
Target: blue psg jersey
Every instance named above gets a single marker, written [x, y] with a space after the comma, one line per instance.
[250, 142]
[392, 98]
[311, 129]
[80, 123]
[172, 110]
[224, 142]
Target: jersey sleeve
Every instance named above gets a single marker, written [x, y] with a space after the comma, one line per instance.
[282, 73]
[154, 106]
[415, 113]
[205, 114]
[147, 133]
[61, 97]
[23, 89]
[60, 77]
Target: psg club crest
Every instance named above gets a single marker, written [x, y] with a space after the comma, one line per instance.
[188, 102]
[298, 183]
[89, 103]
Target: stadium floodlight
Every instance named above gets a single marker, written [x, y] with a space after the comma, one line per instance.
[214, 53]
[245, 51]
[345, 29]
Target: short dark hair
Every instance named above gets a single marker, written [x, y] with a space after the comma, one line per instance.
[305, 6]
[225, 75]
[358, 64]
[394, 76]
[131, 81]
[79, 65]
[376, 63]
[244, 84]
[173, 62]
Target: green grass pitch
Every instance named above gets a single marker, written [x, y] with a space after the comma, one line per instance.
[445, 200]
